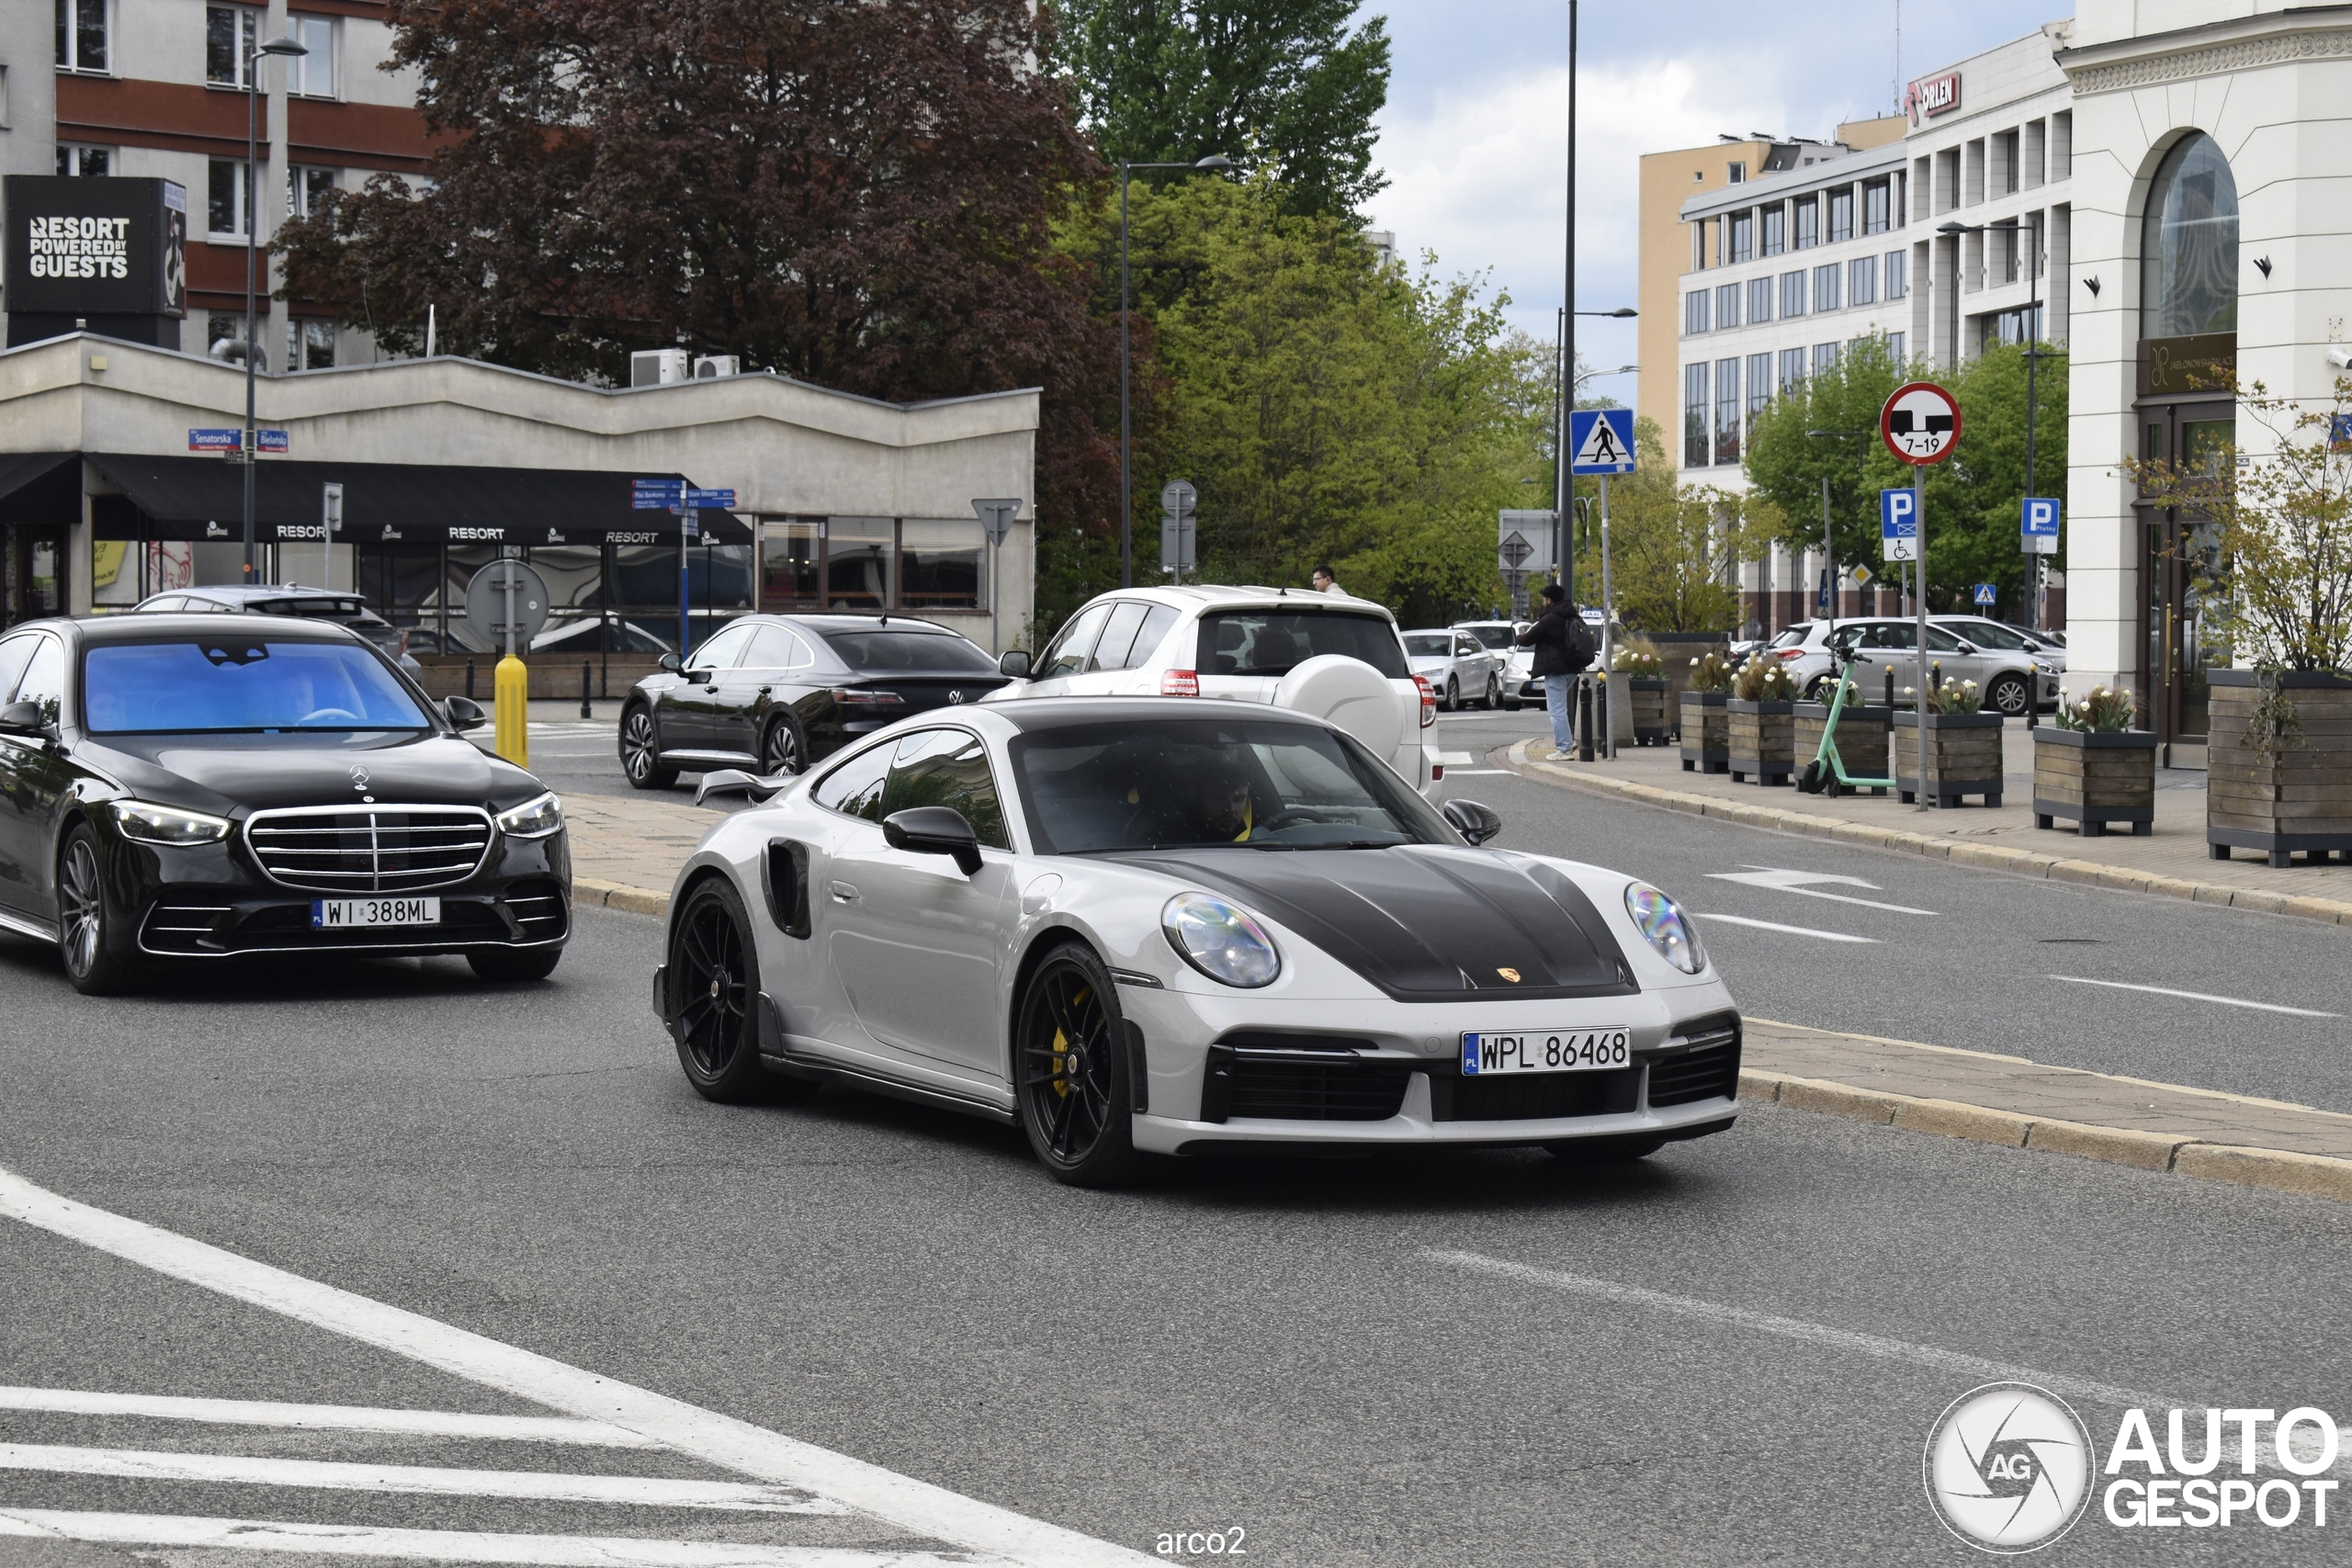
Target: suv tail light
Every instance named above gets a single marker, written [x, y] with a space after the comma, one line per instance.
[1179, 684]
[1789, 653]
[1428, 701]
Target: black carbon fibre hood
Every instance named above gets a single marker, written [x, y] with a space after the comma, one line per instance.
[1425, 923]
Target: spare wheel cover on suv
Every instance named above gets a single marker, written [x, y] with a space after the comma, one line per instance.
[1352, 694]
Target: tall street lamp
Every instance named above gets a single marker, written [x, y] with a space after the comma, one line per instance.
[285, 46]
[1127, 477]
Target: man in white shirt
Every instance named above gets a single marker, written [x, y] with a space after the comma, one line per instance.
[1325, 583]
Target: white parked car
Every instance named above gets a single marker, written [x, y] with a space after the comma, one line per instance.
[1339, 658]
[1153, 926]
[1457, 666]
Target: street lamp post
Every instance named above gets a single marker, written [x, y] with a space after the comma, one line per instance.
[288, 46]
[1127, 477]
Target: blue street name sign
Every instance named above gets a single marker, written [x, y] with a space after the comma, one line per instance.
[656, 495]
[1601, 441]
[1985, 596]
[715, 500]
[2038, 526]
[215, 440]
[1898, 524]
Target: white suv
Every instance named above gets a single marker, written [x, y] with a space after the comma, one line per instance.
[1336, 658]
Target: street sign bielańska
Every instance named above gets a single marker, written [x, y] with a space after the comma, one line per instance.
[1601, 441]
[1920, 424]
[2038, 526]
[1898, 524]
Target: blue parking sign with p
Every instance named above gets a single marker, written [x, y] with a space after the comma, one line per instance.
[1898, 524]
[2038, 526]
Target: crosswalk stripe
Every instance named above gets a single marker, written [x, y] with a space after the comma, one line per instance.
[640, 1490]
[336, 1418]
[442, 1546]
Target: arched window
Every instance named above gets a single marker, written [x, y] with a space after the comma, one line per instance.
[2189, 244]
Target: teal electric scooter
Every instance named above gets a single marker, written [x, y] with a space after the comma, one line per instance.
[1826, 775]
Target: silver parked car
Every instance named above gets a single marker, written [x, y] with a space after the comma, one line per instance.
[1877, 643]
[1459, 668]
[1152, 926]
[2000, 635]
[1501, 640]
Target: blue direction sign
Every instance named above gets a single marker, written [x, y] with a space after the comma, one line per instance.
[713, 500]
[1986, 596]
[2038, 526]
[1898, 524]
[657, 495]
[1601, 441]
[215, 440]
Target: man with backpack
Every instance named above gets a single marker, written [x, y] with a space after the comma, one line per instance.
[1563, 648]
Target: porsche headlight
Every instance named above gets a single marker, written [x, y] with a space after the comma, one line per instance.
[1220, 941]
[533, 818]
[1666, 927]
[152, 823]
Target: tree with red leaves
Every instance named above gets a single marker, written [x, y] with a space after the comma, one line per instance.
[858, 195]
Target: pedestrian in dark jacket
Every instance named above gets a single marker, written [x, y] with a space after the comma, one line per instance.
[1563, 650]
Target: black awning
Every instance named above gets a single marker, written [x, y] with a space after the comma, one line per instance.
[32, 490]
[413, 503]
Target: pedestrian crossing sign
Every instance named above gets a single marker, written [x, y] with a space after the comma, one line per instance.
[1601, 441]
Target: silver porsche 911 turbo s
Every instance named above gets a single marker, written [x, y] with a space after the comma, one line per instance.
[1142, 926]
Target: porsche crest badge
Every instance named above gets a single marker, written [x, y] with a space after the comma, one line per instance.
[1510, 974]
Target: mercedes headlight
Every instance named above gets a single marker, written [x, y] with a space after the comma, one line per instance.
[1220, 941]
[152, 823]
[533, 818]
[1666, 927]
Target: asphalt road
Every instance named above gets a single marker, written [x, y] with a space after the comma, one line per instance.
[1323, 1354]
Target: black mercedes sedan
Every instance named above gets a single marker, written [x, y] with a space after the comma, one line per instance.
[777, 693]
[185, 787]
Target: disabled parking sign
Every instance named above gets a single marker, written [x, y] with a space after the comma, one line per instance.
[1898, 524]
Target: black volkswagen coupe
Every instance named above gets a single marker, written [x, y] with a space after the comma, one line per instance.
[181, 787]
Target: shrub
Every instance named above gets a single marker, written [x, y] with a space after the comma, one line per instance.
[1762, 679]
[1639, 661]
[1710, 672]
[2105, 711]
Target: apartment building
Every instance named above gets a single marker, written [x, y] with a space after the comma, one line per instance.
[158, 89]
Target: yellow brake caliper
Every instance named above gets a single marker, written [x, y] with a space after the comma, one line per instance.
[1061, 1047]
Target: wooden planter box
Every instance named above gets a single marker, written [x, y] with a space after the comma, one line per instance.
[1649, 703]
[2300, 798]
[1706, 733]
[2099, 780]
[1862, 741]
[1963, 757]
[1763, 738]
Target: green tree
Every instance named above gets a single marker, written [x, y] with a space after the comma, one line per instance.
[1282, 82]
[1671, 547]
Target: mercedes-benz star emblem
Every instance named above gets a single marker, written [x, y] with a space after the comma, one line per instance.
[358, 777]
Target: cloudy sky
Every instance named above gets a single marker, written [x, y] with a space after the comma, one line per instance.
[1473, 136]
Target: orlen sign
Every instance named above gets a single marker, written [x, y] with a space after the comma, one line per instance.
[1933, 96]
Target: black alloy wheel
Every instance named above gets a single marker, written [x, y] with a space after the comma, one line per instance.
[782, 749]
[714, 999]
[2007, 696]
[1071, 1072]
[641, 750]
[84, 923]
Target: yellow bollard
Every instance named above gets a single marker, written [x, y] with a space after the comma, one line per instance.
[514, 698]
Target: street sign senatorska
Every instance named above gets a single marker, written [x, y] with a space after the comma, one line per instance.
[1920, 424]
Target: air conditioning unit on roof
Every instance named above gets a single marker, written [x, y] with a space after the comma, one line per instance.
[657, 367]
[710, 367]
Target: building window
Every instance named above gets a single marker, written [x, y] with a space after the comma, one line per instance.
[1759, 300]
[1791, 370]
[224, 338]
[1825, 358]
[307, 189]
[1694, 415]
[1894, 349]
[2023, 324]
[1726, 410]
[1898, 268]
[92, 160]
[310, 345]
[1694, 310]
[85, 28]
[1727, 306]
[1877, 207]
[859, 553]
[1735, 173]
[1743, 237]
[312, 75]
[2189, 244]
[1825, 287]
[1791, 294]
[1759, 386]
[1776, 230]
[1841, 214]
[231, 34]
[228, 198]
[940, 564]
[1808, 223]
[1861, 280]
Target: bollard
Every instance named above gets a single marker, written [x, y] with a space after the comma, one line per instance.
[1890, 687]
[585, 668]
[469, 679]
[514, 698]
[1584, 719]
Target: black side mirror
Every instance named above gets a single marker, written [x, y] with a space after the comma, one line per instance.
[1474, 822]
[23, 718]
[934, 830]
[463, 713]
[1016, 663]
[735, 781]
[670, 662]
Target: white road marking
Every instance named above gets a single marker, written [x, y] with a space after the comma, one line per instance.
[721, 1441]
[1454, 772]
[441, 1546]
[336, 1418]
[2196, 997]
[641, 1490]
[1797, 1329]
[1776, 925]
[1797, 882]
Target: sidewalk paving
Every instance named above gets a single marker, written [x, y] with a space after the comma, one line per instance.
[2171, 861]
[626, 851]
